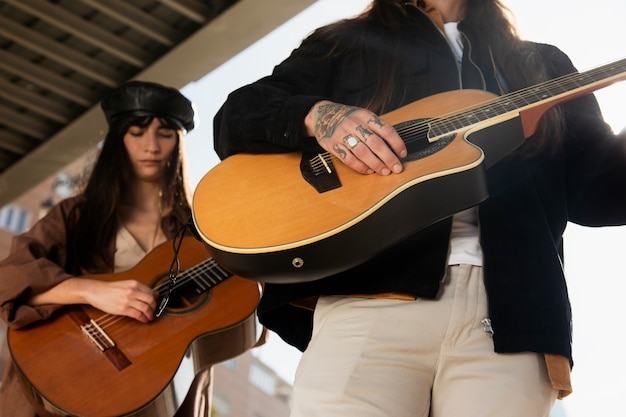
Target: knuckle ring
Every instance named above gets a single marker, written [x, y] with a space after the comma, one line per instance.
[350, 141]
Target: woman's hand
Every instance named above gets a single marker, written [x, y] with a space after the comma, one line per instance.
[123, 298]
[356, 136]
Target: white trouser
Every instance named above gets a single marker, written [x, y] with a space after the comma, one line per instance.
[391, 358]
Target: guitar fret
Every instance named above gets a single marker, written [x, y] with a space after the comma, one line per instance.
[473, 118]
[523, 100]
[539, 94]
[457, 123]
[509, 106]
[438, 129]
[486, 113]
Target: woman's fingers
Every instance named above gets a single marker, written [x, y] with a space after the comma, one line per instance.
[359, 138]
[128, 298]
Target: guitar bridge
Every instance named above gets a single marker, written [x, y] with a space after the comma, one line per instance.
[97, 335]
[99, 338]
[319, 171]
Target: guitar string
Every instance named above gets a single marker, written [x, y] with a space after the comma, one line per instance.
[209, 268]
[458, 120]
[527, 95]
[538, 91]
[107, 319]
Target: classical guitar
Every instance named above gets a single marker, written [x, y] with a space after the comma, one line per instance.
[83, 362]
[296, 217]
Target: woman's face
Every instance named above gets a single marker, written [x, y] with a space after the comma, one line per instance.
[149, 149]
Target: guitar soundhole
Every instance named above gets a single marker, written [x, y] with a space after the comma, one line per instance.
[187, 295]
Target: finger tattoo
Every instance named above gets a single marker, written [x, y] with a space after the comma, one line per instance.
[364, 132]
[376, 120]
[340, 151]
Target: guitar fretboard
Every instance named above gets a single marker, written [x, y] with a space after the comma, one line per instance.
[556, 90]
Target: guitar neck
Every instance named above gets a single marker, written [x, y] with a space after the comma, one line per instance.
[532, 102]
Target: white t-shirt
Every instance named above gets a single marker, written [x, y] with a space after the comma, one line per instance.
[464, 240]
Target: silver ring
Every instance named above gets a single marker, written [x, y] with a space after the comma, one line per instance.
[350, 141]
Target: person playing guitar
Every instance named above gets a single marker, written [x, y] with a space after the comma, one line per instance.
[468, 315]
[136, 198]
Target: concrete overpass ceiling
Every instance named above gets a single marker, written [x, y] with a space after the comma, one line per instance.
[58, 58]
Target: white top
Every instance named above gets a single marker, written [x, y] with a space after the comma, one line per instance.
[128, 251]
[464, 240]
[455, 40]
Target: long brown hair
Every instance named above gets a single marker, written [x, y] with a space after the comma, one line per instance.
[96, 217]
[490, 22]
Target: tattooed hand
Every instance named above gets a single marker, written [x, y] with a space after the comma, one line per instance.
[356, 136]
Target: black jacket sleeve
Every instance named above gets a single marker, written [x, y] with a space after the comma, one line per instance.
[267, 115]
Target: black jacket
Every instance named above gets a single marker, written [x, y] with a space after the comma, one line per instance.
[521, 223]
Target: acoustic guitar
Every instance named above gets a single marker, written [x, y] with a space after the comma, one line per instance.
[296, 217]
[83, 362]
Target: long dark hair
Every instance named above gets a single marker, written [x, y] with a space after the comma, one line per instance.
[96, 216]
[490, 22]
[519, 62]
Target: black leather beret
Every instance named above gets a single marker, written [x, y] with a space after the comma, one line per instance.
[142, 98]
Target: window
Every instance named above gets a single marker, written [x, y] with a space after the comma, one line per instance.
[230, 364]
[14, 219]
[263, 379]
[220, 405]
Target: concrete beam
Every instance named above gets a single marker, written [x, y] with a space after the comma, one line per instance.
[224, 37]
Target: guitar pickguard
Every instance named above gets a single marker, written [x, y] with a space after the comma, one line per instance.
[417, 142]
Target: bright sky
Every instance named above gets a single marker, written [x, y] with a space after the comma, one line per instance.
[591, 33]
